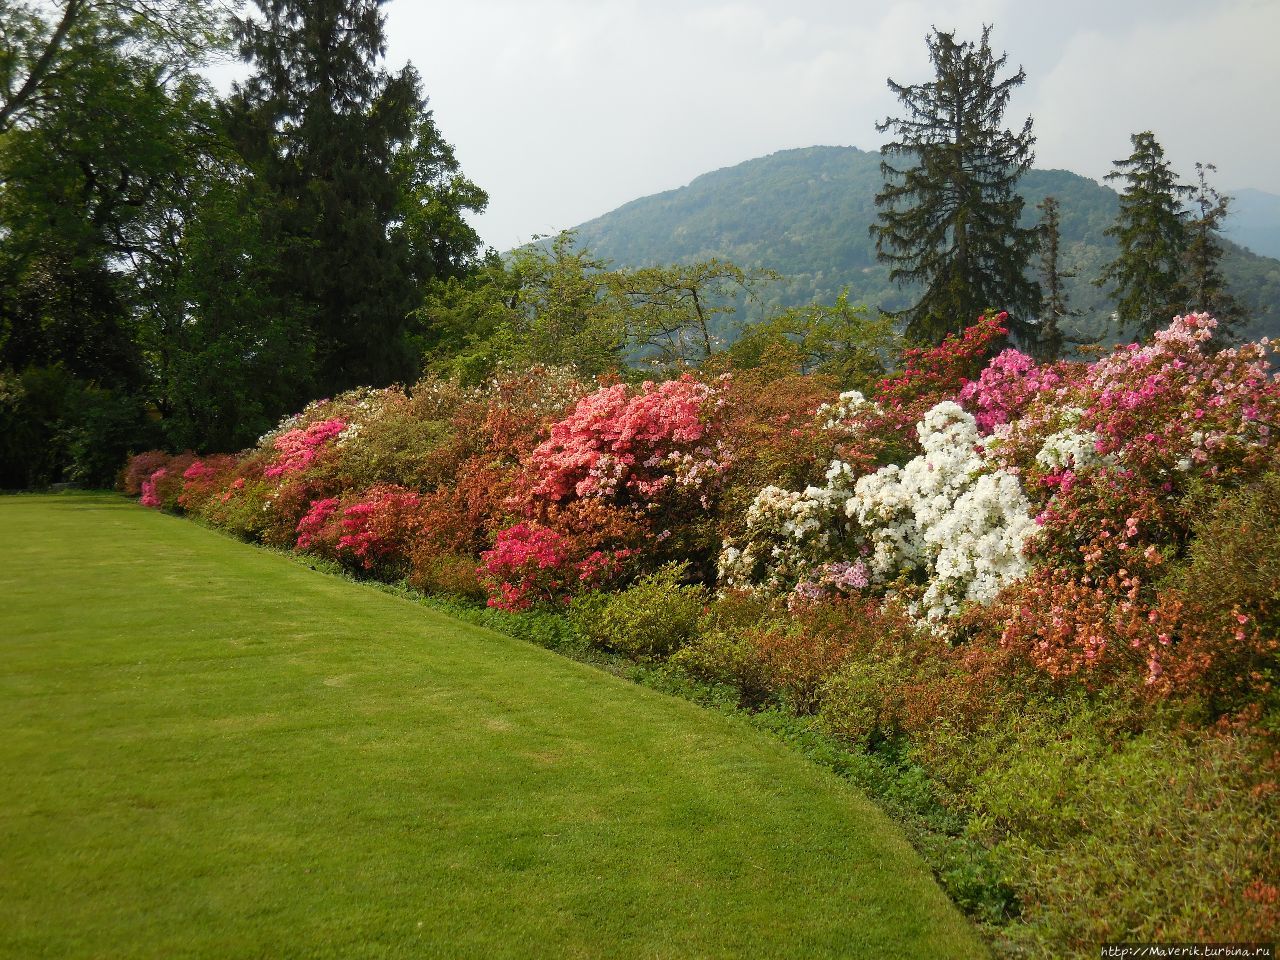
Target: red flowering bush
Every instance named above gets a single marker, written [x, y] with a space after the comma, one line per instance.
[374, 529]
[933, 374]
[139, 470]
[579, 546]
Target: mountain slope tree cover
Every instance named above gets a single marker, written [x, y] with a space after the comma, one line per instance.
[806, 213]
[949, 217]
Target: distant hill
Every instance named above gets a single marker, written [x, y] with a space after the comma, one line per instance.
[805, 214]
[1255, 221]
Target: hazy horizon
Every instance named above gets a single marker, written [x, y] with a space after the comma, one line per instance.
[565, 109]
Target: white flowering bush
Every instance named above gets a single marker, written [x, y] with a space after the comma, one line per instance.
[950, 522]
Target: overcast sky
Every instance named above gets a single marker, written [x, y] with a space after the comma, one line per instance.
[565, 109]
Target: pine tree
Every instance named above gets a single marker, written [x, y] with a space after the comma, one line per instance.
[1054, 308]
[949, 215]
[1202, 279]
[1151, 232]
[354, 163]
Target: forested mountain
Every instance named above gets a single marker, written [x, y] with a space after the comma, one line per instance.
[1255, 221]
[805, 214]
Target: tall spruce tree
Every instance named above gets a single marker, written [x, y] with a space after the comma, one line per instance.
[948, 212]
[1050, 338]
[354, 163]
[1202, 279]
[1151, 233]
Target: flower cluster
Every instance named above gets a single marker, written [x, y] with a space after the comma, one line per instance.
[298, 448]
[1005, 387]
[617, 443]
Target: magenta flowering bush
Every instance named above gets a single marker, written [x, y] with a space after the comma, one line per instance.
[150, 494]
[1005, 387]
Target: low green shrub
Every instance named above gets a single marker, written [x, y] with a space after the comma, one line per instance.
[653, 618]
[437, 572]
[859, 702]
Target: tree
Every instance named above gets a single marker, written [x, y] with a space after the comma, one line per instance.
[671, 312]
[1050, 339]
[1151, 233]
[839, 340]
[1202, 279]
[368, 202]
[547, 303]
[948, 212]
[40, 46]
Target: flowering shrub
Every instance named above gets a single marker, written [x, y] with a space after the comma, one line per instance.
[313, 523]
[299, 448]
[139, 469]
[618, 444]
[203, 479]
[528, 564]
[1005, 387]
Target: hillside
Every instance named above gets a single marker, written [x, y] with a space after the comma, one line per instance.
[805, 213]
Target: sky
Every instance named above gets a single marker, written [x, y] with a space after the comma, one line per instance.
[565, 109]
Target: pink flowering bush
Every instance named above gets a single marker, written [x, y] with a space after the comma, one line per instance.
[528, 564]
[373, 529]
[313, 523]
[298, 449]
[1005, 387]
[621, 444]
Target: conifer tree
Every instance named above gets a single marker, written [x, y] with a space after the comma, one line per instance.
[1202, 279]
[1151, 232]
[948, 212]
[1054, 307]
[358, 173]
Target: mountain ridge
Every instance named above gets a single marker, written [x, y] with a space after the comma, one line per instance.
[805, 212]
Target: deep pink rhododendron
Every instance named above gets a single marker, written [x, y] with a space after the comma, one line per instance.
[313, 522]
[149, 496]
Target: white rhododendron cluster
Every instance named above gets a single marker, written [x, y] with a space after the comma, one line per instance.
[788, 534]
[950, 516]
[850, 404]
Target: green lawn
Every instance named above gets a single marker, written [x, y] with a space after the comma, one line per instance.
[211, 751]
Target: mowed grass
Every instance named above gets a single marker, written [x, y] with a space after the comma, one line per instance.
[211, 751]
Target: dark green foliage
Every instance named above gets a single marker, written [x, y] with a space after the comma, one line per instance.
[56, 427]
[365, 197]
[949, 216]
[1202, 279]
[1151, 234]
[1049, 339]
